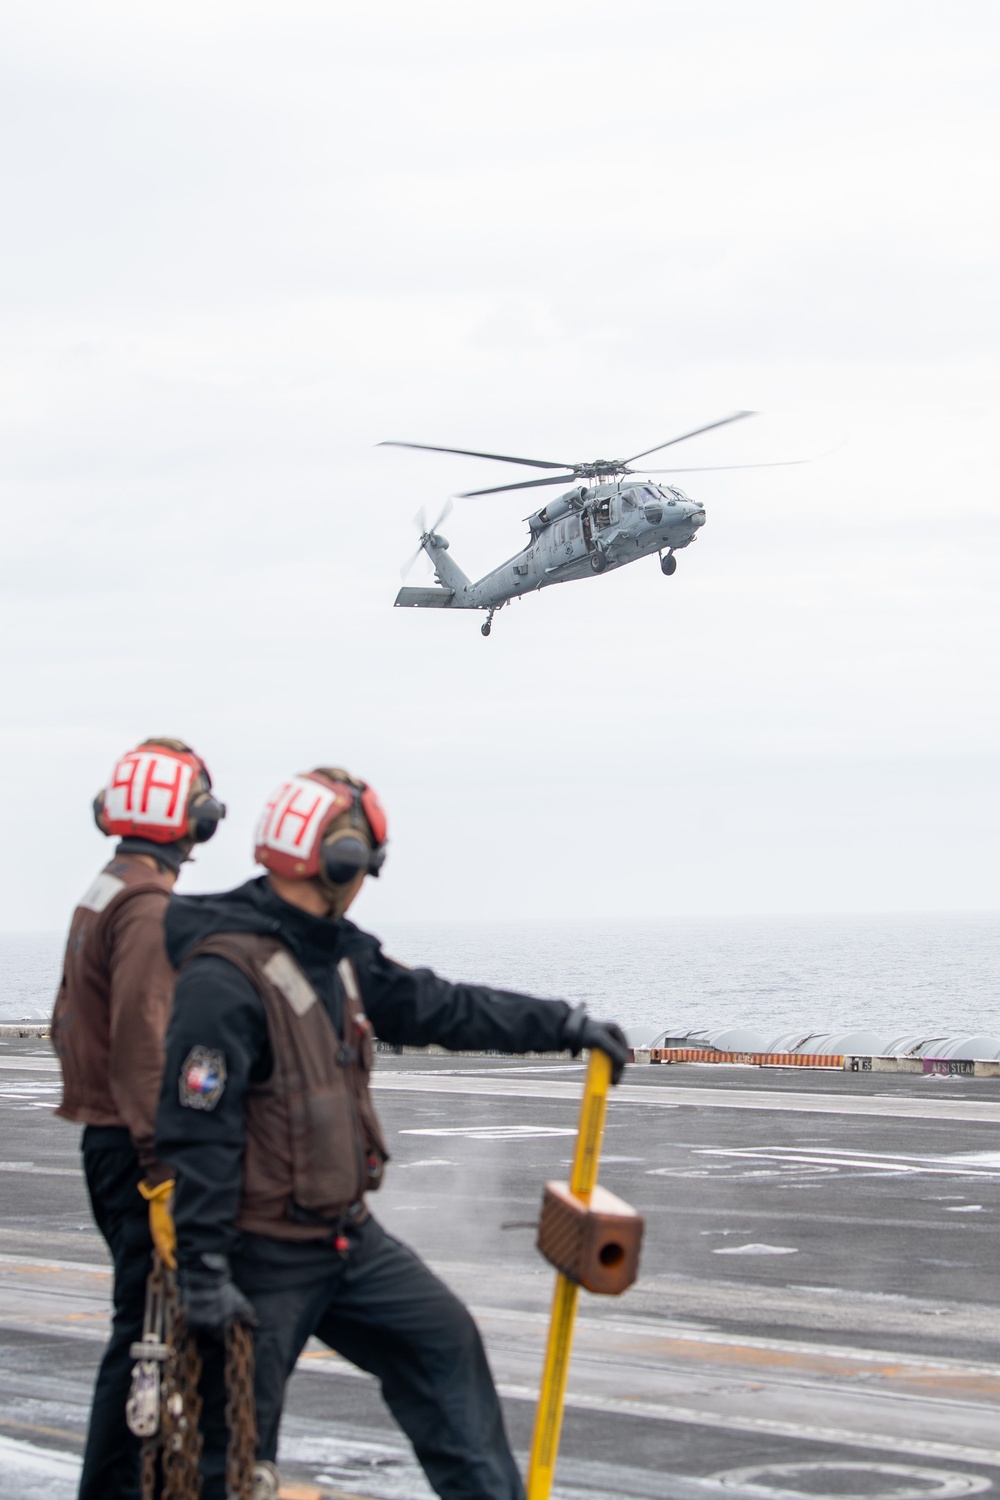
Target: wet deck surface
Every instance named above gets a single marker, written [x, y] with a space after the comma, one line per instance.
[817, 1313]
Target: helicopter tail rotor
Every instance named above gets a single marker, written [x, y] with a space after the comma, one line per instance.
[426, 533]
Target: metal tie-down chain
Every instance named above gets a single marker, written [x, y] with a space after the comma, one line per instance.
[241, 1414]
[180, 1411]
[164, 1405]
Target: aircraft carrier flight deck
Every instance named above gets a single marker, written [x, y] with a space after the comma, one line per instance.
[817, 1311]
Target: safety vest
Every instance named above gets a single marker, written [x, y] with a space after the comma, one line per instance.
[314, 1145]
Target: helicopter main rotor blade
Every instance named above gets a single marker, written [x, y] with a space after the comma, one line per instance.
[502, 458]
[446, 510]
[737, 416]
[526, 484]
[781, 463]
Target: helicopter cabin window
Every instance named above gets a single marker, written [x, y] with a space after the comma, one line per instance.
[572, 528]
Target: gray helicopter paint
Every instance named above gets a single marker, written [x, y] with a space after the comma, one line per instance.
[618, 522]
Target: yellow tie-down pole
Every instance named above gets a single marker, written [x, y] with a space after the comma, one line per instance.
[593, 1239]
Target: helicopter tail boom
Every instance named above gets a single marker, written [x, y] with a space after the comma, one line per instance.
[454, 586]
[449, 574]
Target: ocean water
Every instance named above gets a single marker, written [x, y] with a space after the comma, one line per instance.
[937, 973]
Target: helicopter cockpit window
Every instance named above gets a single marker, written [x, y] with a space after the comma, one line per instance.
[653, 511]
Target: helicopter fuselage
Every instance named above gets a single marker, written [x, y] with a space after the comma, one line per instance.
[584, 532]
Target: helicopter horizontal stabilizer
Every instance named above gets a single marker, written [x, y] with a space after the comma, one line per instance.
[424, 598]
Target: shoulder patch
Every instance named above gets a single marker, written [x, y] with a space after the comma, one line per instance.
[103, 891]
[203, 1078]
[286, 976]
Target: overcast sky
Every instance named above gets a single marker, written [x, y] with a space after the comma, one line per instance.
[243, 243]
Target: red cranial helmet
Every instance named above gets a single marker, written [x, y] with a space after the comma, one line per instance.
[323, 825]
[162, 792]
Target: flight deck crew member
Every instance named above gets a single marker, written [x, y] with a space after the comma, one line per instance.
[108, 1026]
[268, 1123]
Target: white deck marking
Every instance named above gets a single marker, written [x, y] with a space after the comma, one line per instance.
[494, 1132]
[29, 1168]
[924, 1484]
[703, 1416]
[928, 1408]
[732, 1422]
[666, 1096]
[754, 1249]
[502, 1083]
[34, 1473]
[832, 1159]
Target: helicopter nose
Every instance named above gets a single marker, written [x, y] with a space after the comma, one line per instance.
[698, 517]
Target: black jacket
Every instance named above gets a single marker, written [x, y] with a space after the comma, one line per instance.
[216, 1009]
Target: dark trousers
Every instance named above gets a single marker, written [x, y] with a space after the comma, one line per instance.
[111, 1457]
[381, 1308]
[111, 1167]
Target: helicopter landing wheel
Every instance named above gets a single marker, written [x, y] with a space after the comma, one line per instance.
[485, 629]
[668, 564]
[598, 562]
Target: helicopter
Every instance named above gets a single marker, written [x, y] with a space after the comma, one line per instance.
[604, 522]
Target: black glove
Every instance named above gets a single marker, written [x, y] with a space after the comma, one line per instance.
[211, 1300]
[579, 1031]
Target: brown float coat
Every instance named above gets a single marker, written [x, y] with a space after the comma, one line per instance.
[114, 1001]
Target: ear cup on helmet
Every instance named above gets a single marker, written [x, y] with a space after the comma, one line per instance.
[344, 858]
[206, 815]
[98, 809]
[360, 846]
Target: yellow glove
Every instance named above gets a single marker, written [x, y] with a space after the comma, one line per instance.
[161, 1219]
